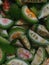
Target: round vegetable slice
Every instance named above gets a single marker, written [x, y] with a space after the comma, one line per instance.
[25, 41]
[5, 23]
[24, 54]
[16, 32]
[39, 56]
[28, 15]
[34, 37]
[44, 11]
[16, 62]
[2, 56]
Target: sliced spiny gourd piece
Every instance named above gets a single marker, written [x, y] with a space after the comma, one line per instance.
[39, 56]
[34, 37]
[2, 56]
[41, 30]
[25, 41]
[15, 32]
[5, 23]
[28, 15]
[4, 33]
[44, 11]
[24, 54]
[16, 61]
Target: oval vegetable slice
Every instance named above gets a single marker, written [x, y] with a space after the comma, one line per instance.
[16, 62]
[39, 56]
[28, 15]
[2, 56]
[15, 33]
[44, 11]
[24, 54]
[41, 30]
[25, 41]
[34, 37]
[5, 23]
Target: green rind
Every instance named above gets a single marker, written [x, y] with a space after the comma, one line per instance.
[4, 41]
[44, 55]
[38, 43]
[25, 59]
[26, 18]
[18, 59]
[4, 56]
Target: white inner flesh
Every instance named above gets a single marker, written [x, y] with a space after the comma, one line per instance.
[45, 11]
[42, 28]
[29, 16]
[4, 32]
[1, 2]
[24, 54]
[37, 38]
[11, 38]
[16, 62]
[4, 21]
[38, 57]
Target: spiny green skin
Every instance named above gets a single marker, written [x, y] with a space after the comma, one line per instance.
[39, 43]
[26, 18]
[16, 59]
[14, 12]
[3, 56]
[6, 26]
[44, 55]
[29, 59]
[4, 41]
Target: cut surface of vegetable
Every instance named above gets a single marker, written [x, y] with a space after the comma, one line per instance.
[16, 62]
[5, 23]
[41, 30]
[25, 41]
[39, 57]
[24, 54]
[44, 11]
[34, 37]
[15, 33]
[28, 15]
